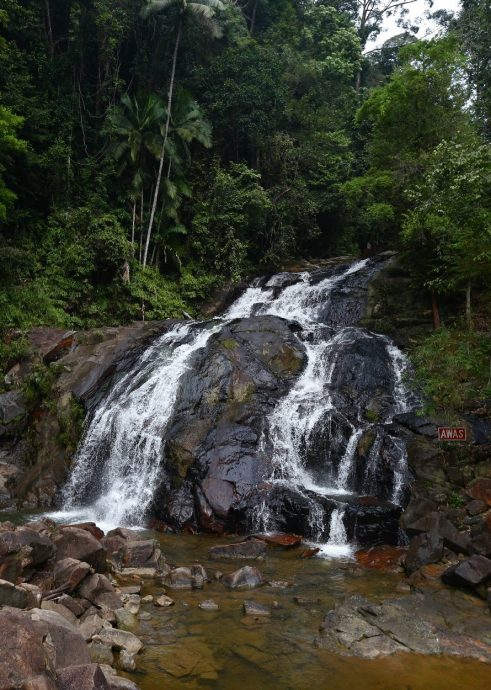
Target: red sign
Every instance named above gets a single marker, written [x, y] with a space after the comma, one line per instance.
[452, 433]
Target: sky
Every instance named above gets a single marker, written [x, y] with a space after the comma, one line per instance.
[416, 11]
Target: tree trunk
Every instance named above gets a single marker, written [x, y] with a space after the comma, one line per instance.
[133, 223]
[436, 312]
[468, 310]
[141, 227]
[253, 19]
[49, 30]
[162, 154]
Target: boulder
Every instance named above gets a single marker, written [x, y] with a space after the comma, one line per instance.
[126, 661]
[425, 548]
[69, 573]
[99, 591]
[13, 413]
[244, 578]
[125, 619]
[10, 595]
[81, 545]
[83, 677]
[120, 639]
[101, 653]
[90, 626]
[250, 549]
[34, 547]
[66, 644]
[185, 578]
[48, 605]
[23, 654]
[472, 572]
[141, 554]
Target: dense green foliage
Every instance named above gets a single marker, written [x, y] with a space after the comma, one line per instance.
[153, 149]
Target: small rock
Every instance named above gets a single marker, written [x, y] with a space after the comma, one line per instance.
[133, 603]
[310, 553]
[145, 616]
[130, 589]
[100, 653]
[244, 578]
[11, 595]
[143, 573]
[253, 608]
[209, 605]
[147, 599]
[279, 584]
[125, 619]
[72, 604]
[476, 507]
[91, 626]
[164, 601]
[126, 661]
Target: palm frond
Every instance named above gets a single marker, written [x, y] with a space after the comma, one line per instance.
[154, 6]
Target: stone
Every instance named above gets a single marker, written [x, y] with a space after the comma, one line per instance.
[250, 549]
[33, 593]
[82, 677]
[69, 573]
[98, 590]
[66, 643]
[253, 608]
[126, 661]
[90, 626]
[147, 599]
[89, 527]
[133, 603]
[10, 595]
[141, 554]
[120, 639]
[35, 548]
[476, 507]
[125, 619]
[23, 654]
[184, 578]
[387, 558]
[480, 490]
[48, 605]
[81, 545]
[41, 682]
[244, 578]
[100, 653]
[424, 548]
[164, 601]
[472, 572]
[281, 539]
[208, 605]
[279, 584]
[143, 573]
[72, 604]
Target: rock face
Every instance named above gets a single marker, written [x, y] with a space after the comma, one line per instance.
[416, 623]
[212, 451]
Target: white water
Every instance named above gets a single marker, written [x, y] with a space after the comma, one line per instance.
[122, 448]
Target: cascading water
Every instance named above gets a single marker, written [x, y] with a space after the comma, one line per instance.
[313, 434]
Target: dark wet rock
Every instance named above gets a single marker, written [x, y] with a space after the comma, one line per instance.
[414, 623]
[481, 536]
[13, 414]
[427, 547]
[232, 386]
[99, 591]
[417, 509]
[310, 553]
[254, 608]
[244, 578]
[79, 544]
[250, 549]
[72, 604]
[473, 571]
[370, 521]
[69, 573]
[83, 677]
[126, 661]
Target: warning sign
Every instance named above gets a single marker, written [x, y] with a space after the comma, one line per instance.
[452, 433]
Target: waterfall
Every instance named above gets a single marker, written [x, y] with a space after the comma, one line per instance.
[312, 435]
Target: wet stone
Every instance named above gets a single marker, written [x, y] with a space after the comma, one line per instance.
[164, 601]
[209, 605]
[253, 608]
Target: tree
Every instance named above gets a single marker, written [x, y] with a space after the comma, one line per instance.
[9, 144]
[203, 12]
[474, 24]
[135, 129]
[451, 218]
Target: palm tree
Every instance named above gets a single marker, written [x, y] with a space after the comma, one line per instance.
[202, 11]
[135, 128]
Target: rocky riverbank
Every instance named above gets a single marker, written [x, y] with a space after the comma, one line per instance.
[73, 602]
